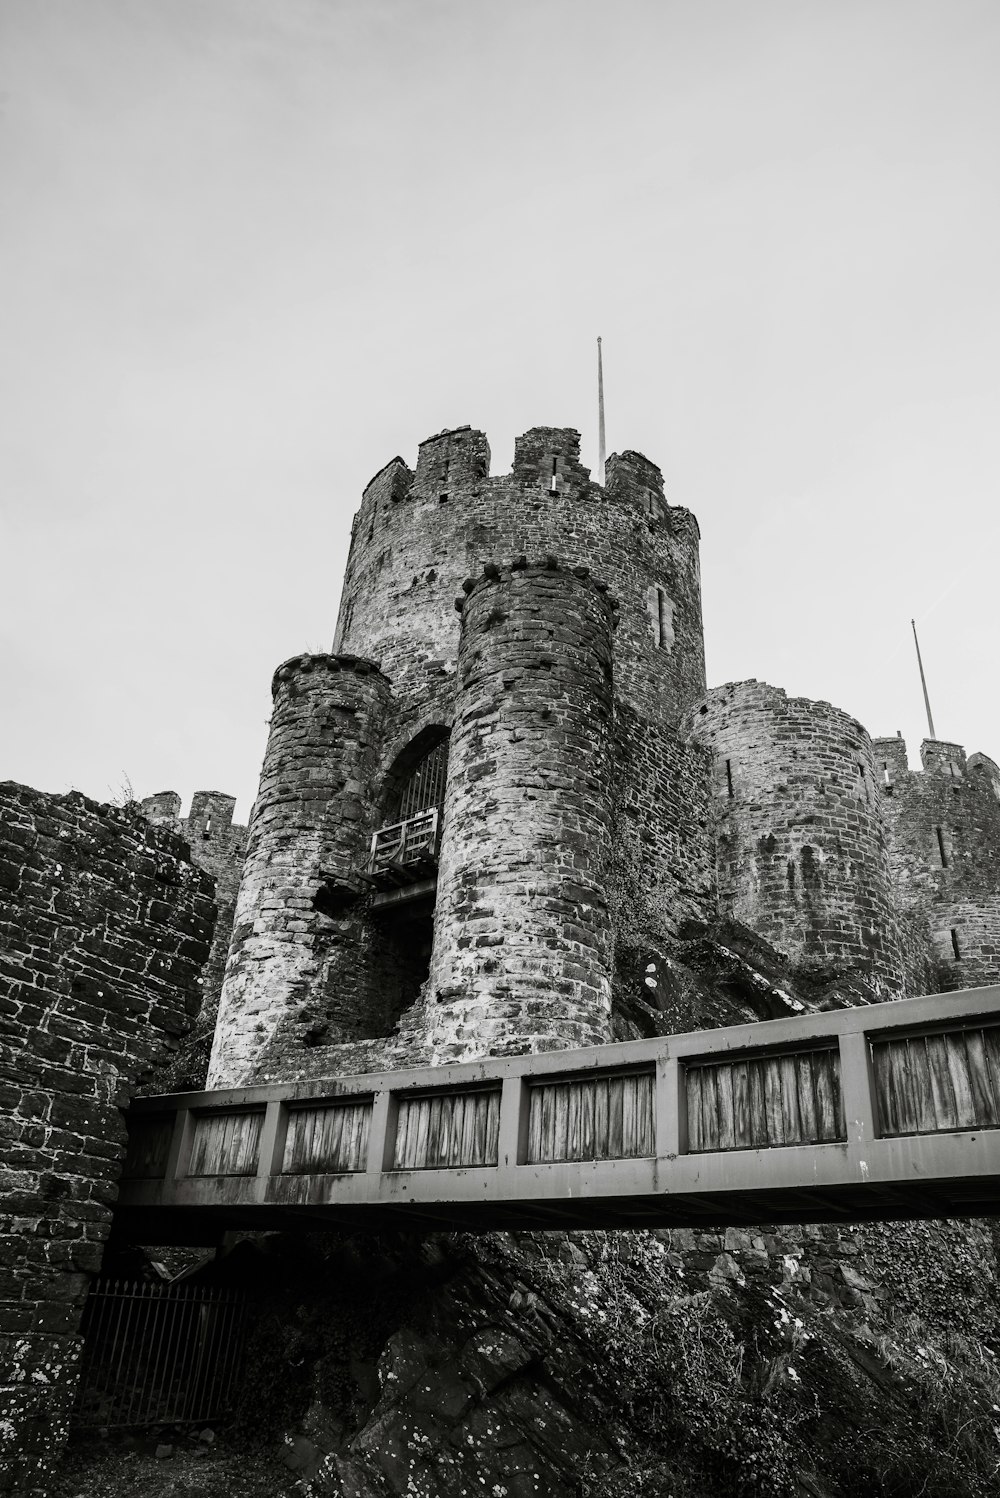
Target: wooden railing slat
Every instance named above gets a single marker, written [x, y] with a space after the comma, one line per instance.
[958, 1066]
[944, 1109]
[983, 1093]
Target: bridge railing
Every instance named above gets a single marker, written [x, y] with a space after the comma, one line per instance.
[804, 1103]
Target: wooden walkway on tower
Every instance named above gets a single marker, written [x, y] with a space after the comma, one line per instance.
[887, 1111]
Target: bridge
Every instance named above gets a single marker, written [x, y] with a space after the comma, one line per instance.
[887, 1111]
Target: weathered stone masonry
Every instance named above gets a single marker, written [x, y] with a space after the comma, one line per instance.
[297, 965]
[105, 926]
[944, 848]
[218, 845]
[310, 987]
[522, 950]
[802, 857]
[744, 805]
[418, 535]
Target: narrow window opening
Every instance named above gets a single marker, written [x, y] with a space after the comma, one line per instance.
[206, 831]
[650, 502]
[885, 773]
[954, 945]
[444, 471]
[940, 839]
[554, 481]
[729, 776]
[661, 617]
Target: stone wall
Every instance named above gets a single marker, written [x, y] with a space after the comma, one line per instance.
[800, 833]
[663, 822]
[218, 846]
[522, 933]
[104, 927]
[944, 846]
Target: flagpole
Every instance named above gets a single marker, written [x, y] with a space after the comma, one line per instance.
[923, 681]
[601, 449]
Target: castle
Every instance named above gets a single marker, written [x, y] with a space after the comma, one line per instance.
[490, 819]
[504, 815]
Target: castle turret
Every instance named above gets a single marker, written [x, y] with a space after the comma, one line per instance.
[944, 848]
[418, 535]
[294, 972]
[361, 921]
[801, 847]
[522, 941]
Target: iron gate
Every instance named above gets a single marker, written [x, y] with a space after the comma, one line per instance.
[159, 1354]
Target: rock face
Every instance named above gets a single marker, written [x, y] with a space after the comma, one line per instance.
[105, 925]
[830, 1361]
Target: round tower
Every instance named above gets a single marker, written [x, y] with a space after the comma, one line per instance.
[418, 534]
[801, 847]
[944, 853]
[294, 972]
[522, 940]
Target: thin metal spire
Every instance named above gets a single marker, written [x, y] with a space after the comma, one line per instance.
[923, 681]
[601, 448]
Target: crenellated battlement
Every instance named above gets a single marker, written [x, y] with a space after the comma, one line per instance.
[453, 467]
[304, 664]
[632, 476]
[418, 535]
[548, 458]
[450, 461]
[937, 757]
[943, 824]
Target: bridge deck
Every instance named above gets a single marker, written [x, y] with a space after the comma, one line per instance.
[888, 1111]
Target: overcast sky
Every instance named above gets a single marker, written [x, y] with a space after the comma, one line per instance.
[251, 249]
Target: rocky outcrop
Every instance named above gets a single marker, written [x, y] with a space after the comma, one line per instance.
[826, 1362]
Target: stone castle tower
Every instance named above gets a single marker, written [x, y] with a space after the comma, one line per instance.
[508, 780]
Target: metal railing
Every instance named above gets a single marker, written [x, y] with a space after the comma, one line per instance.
[405, 842]
[159, 1354]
